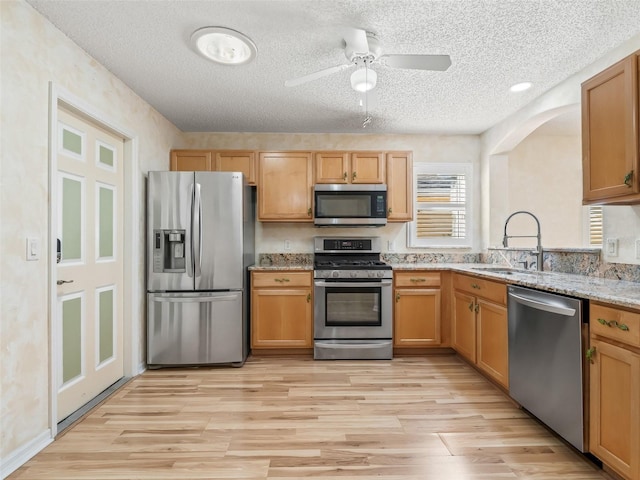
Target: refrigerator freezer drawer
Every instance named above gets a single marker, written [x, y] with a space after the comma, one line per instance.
[197, 328]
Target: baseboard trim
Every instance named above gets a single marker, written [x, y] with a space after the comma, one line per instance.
[23, 454]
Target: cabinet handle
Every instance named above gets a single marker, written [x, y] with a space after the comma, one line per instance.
[590, 354]
[353, 176]
[475, 285]
[308, 297]
[397, 297]
[627, 179]
[613, 323]
[344, 177]
[281, 280]
[471, 307]
[309, 211]
[477, 307]
[390, 210]
[416, 280]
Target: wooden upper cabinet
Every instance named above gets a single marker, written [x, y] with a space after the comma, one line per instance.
[332, 167]
[345, 167]
[191, 160]
[399, 187]
[610, 132]
[216, 160]
[367, 167]
[237, 161]
[285, 188]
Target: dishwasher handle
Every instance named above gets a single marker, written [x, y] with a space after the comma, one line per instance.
[547, 307]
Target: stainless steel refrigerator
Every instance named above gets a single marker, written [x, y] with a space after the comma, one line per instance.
[200, 241]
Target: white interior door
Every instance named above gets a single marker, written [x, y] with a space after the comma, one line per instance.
[89, 317]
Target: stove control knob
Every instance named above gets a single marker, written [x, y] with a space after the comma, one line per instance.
[335, 274]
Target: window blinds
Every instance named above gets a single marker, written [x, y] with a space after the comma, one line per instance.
[441, 201]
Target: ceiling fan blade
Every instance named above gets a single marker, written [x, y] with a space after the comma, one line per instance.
[314, 76]
[356, 40]
[417, 62]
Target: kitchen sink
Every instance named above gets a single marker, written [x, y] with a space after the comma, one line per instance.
[505, 270]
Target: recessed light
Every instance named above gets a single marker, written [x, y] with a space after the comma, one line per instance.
[223, 45]
[521, 87]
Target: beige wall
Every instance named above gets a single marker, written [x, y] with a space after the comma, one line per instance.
[544, 176]
[34, 53]
[426, 148]
[621, 222]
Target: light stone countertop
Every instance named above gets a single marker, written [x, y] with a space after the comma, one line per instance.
[616, 292]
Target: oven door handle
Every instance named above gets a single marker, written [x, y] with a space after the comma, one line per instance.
[382, 283]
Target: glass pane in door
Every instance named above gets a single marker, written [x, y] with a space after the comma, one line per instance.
[106, 221]
[71, 338]
[72, 224]
[105, 324]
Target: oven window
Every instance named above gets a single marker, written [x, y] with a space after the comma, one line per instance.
[352, 307]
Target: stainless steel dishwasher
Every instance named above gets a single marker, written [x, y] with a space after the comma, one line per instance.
[546, 367]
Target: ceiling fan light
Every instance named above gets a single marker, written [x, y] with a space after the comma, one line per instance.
[223, 45]
[363, 79]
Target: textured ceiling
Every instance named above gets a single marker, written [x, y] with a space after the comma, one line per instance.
[493, 44]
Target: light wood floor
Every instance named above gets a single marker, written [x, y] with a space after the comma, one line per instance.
[286, 418]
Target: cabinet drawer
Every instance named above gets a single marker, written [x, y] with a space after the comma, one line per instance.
[281, 279]
[494, 291]
[614, 323]
[417, 279]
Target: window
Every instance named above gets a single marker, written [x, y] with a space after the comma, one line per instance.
[595, 225]
[442, 216]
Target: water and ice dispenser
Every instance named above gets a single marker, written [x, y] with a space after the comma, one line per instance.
[168, 251]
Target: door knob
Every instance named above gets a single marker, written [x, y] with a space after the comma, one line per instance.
[61, 282]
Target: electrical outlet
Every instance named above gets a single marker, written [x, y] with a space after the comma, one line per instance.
[390, 246]
[638, 248]
[612, 247]
[287, 245]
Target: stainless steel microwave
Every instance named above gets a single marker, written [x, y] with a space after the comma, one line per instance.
[337, 205]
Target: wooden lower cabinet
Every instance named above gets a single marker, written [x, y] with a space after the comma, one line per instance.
[614, 417]
[281, 310]
[416, 312]
[464, 325]
[480, 328]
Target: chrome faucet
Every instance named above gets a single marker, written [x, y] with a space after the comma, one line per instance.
[538, 251]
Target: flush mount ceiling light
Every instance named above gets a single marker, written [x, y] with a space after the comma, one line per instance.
[223, 45]
[363, 79]
[521, 87]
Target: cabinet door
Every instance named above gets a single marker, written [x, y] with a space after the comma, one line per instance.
[609, 132]
[464, 325]
[399, 187]
[615, 408]
[281, 318]
[493, 341]
[367, 167]
[190, 160]
[416, 317]
[332, 167]
[284, 187]
[237, 161]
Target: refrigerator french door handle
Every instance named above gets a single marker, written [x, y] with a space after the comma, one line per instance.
[189, 263]
[197, 231]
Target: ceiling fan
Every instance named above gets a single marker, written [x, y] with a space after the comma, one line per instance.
[362, 49]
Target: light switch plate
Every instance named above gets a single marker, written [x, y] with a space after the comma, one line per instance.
[390, 246]
[638, 248]
[33, 248]
[287, 245]
[612, 247]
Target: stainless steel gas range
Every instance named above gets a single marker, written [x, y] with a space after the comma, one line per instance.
[353, 295]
